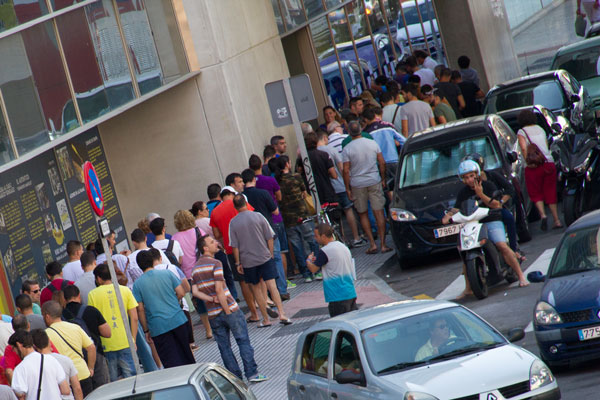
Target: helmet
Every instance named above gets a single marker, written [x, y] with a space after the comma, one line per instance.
[478, 158]
[467, 166]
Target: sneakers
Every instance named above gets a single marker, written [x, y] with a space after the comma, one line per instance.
[358, 242]
[308, 279]
[290, 285]
[258, 378]
[319, 276]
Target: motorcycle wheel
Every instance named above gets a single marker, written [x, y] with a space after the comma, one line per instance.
[476, 275]
[572, 207]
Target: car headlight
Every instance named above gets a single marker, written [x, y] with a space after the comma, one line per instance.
[398, 214]
[419, 396]
[539, 375]
[545, 314]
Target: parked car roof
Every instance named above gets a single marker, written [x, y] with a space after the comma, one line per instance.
[586, 221]
[583, 44]
[369, 317]
[527, 78]
[464, 128]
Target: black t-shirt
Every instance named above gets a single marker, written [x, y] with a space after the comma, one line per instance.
[92, 318]
[472, 106]
[451, 91]
[501, 183]
[321, 162]
[262, 202]
[467, 193]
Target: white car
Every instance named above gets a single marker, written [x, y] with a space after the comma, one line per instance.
[415, 350]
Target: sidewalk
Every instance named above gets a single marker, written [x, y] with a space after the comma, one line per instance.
[275, 346]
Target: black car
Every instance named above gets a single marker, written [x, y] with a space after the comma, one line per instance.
[546, 119]
[556, 90]
[428, 184]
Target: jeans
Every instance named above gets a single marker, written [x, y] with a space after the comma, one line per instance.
[280, 280]
[297, 236]
[120, 362]
[144, 352]
[235, 323]
[511, 228]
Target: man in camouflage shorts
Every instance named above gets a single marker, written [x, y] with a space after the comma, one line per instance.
[294, 211]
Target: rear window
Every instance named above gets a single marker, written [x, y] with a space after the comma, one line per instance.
[546, 93]
[431, 164]
[582, 64]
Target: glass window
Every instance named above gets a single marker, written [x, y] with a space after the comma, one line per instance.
[427, 338]
[12, 14]
[278, 19]
[582, 64]
[578, 252]
[431, 164]
[224, 386]
[6, 151]
[384, 42]
[212, 392]
[60, 4]
[313, 8]
[546, 93]
[142, 51]
[34, 86]
[331, 4]
[315, 354]
[346, 354]
[362, 39]
[293, 13]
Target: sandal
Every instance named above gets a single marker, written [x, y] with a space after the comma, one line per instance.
[262, 325]
[372, 251]
[285, 321]
[386, 249]
[250, 320]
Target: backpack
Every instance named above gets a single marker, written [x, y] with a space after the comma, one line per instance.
[78, 320]
[170, 255]
[63, 285]
[198, 249]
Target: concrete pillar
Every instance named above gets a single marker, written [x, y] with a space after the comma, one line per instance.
[478, 29]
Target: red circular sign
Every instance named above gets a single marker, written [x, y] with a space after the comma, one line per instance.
[93, 189]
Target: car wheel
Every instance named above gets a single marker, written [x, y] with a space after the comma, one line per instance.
[477, 276]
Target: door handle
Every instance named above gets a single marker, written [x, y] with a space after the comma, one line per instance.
[334, 395]
[301, 388]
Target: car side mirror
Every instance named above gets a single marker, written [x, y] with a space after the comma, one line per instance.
[556, 128]
[512, 156]
[536, 277]
[515, 334]
[575, 98]
[349, 376]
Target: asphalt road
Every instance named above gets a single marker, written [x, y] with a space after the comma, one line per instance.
[505, 307]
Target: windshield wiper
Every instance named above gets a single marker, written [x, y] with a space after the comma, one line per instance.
[465, 350]
[400, 366]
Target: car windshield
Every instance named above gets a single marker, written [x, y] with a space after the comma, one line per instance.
[578, 252]
[545, 93]
[412, 17]
[427, 338]
[431, 164]
[582, 64]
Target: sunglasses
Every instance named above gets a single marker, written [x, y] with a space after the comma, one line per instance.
[35, 291]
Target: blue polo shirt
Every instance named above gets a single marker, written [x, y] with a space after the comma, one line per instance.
[156, 289]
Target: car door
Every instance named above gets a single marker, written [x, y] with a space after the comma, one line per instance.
[310, 381]
[347, 357]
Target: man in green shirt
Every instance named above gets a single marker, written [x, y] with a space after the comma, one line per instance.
[32, 289]
[441, 111]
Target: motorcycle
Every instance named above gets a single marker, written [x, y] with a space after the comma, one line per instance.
[576, 158]
[484, 267]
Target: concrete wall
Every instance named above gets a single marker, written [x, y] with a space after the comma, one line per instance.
[478, 29]
[164, 152]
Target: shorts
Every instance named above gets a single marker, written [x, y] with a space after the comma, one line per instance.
[266, 271]
[279, 229]
[343, 200]
[236, 275]
[541, 183]
[496, 231]
[390, 174]
[372, 194]
[341, 307]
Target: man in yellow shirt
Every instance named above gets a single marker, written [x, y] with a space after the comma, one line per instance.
[116, 347]
[70, 340]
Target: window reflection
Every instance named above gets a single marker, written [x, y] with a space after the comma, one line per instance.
[6, 152]
[293, 13]
[385, 44]
[313, 8]
[138, 37]
[60, 4]
[278, 19]
[13, 13]
[366, 53]
[332, 3]
[34, 86]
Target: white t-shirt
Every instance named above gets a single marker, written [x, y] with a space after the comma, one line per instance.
[72, 270]
[70, 371]
[430, 63]
[178, 274]
[27, 374]
[427, 76]
[133, 261]
[538, 136]
[164, 243]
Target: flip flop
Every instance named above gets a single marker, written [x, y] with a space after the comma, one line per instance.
[371, 251]
[261, 325]
[285, 321]
[249, 320]
[386, 250]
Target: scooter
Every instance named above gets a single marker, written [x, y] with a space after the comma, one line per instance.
[484, 266]
[576, 156]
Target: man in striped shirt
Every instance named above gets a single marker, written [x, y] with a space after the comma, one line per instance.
[223, 312]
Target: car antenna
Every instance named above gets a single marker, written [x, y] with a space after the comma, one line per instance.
[134, 383]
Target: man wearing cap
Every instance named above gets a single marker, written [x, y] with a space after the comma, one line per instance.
[219, 221]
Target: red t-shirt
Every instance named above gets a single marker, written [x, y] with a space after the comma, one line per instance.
[220, 219]
[47, 293]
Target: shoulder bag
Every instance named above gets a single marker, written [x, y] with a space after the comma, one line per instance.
[68, 344]
[39, 391]
[534, 157]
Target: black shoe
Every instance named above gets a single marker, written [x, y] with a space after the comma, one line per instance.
[284, 297]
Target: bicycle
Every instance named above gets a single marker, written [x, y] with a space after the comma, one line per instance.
[334, 220]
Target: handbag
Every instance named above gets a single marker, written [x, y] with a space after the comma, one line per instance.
[310, 205]
[580, 25]
[534, 157]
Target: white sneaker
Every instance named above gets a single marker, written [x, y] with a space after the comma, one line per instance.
[308, 279]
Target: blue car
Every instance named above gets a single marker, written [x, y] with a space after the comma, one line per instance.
[567, 315]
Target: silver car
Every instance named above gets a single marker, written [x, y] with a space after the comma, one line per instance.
[206, 381]
[415, 350]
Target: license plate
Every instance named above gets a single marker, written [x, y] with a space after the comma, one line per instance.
[589, 333]
[447, 230]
